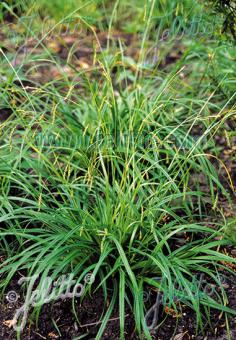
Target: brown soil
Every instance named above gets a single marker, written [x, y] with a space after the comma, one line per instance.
[174, 326]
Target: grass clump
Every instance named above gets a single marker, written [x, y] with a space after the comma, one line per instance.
[104, 186]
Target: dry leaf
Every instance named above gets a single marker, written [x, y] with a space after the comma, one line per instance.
[54, 46]
[179, 336]
[9, 323]
[53, 335]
